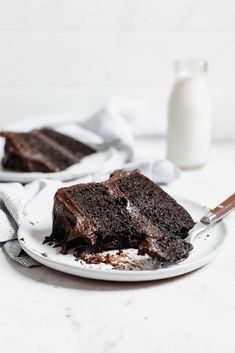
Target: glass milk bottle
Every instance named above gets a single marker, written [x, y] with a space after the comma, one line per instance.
[189, 115]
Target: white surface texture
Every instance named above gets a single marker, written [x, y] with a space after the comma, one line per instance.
[47, 311]
[73, 55]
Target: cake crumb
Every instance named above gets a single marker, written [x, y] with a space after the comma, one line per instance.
[117, 261]
[44, 254]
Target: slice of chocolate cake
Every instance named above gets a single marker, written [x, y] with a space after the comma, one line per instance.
[43, 150]
[126, 211]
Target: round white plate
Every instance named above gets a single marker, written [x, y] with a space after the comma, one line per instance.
[37, 224]
[104, 160]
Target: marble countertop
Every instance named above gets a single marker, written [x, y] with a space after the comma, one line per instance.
[48, 311]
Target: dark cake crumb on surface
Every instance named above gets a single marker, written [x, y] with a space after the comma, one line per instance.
[44, 254]
[119, 260]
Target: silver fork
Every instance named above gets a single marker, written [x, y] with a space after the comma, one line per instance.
[212, 217]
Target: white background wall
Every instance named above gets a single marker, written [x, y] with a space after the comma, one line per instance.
[73, 55]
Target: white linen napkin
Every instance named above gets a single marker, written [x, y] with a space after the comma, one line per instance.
[116, 124]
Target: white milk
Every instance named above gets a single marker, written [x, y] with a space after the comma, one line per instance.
[189, 116]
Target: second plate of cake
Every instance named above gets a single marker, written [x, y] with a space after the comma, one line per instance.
[102, 160]
[31, 151]
[145, 229]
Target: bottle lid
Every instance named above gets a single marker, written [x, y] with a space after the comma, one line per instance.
[190, 67]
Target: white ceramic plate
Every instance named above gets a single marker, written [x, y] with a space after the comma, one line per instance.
[104, 160]
[37, 224]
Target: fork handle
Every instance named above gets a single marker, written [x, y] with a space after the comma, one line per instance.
[220, 211]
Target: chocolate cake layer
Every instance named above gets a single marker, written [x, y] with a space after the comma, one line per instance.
[153, 202]
[78, 148]
[102, 216]
[41, 150]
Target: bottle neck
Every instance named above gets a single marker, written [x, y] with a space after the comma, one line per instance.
[190, 68]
